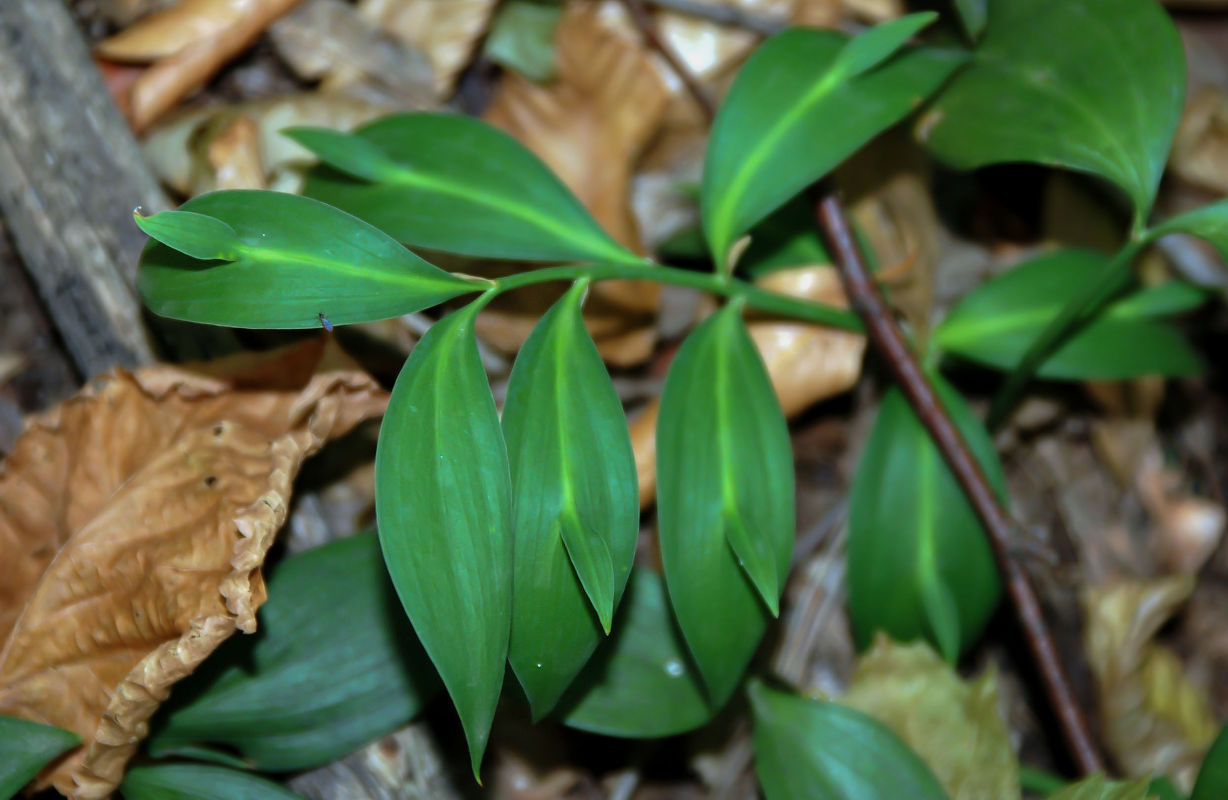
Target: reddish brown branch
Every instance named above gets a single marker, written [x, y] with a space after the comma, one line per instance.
[648, 29]
[885, 335]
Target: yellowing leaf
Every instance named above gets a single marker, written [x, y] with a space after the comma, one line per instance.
[134, 519]
[954, 725]
[1154, 720]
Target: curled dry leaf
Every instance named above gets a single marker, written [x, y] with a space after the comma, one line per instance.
[590, 126]
[807, 363]
[1200, 150]
[446, 31]
[1154, 719]
[134, 520]
[954, 725]
[184, 45]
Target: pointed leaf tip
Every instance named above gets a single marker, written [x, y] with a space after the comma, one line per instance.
[345, 152]
[196, 235]
[755, 556]
[590, 557]
[877, 44]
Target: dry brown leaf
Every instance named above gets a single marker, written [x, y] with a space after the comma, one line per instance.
[1189, 527]
[1200, 150]
[233, 155]
[446, 31]
[1154, 719]
[955, 726]
[590, 126]
[134, 519]
[807, 363]
[187, 43]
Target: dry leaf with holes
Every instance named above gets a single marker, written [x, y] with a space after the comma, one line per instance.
[806, 363]
[185, 46]
[445, 31]
[134, 519]
[954, 725]
[1153, 718]
[590, 126]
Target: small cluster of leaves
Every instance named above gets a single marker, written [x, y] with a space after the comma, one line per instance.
[511, 539]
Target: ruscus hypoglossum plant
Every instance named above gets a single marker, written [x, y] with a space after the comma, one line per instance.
[510, 538]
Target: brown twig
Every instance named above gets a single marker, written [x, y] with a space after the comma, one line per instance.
[889, 341]
[648, 29]
[723, 15]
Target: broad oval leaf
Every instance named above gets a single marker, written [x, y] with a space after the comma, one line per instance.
[335, 665]
[443, 503]
[576, 501]
[802, 103]
[641, 682]
[292, 262]
[199, 782]
[998, 322]
[918, 560]
[1212, 780]
[816, 750]
[454, 183]
[25, 748]
[1091, 85]
[724, 497]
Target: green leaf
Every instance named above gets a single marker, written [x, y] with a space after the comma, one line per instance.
[293, 260]
[1209, 223]
[192, 234]
[876, 45]
[443, 501]
[788, 237]
[1162, 788]
[724, 497]
[25, 748]
[918, 560]
[640, 683]
[997, 323]
[460, 186]
[814, 750]
[521, 37]
[1097, 787]
[972, 16]
[576, 501]
[199, 782]
[334, 666]
[1212, 782]
[798, 108]
[1090, 85]
[196, 752]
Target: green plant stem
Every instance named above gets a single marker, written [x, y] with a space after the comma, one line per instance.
[753, 296]
[1078, 311]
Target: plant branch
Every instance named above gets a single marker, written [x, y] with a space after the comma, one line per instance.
[723, 15]
[648, 29]
[754, 297]
[881, 327]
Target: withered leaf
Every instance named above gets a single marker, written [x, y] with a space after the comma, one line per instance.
[445, 31]
[954, 725]
[1155, 721]
[134, 519]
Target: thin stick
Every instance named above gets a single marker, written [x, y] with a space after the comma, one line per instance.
[648, 29]
[723, 15]
[887, 339]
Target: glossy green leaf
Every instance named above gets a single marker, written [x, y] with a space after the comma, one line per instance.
[443, 501]
[1162, 788]
[1097, 787]
[724, 497]
[576, 501]
[972, 16]
[1212, 783]
[794, 113]
[335, 665]
[1209, 223]
[788, 237]
[521, 37]
[641, 682]
[294, 259]
[997, 323]
[25, 748]
[1090, 85]
[199, 782]
[815, 750]
[192, 234]
[460, 186]
[918, 560]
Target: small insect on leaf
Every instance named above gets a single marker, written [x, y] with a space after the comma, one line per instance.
[328, 326]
